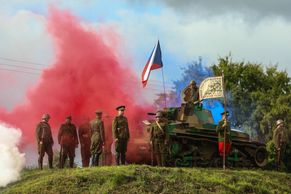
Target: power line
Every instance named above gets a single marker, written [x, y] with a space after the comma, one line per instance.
[25, 67]
[21, 61]
[18, 71]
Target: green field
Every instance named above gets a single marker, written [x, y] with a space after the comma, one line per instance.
[147, 179]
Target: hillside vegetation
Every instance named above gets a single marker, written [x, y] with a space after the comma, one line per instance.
[147, 179]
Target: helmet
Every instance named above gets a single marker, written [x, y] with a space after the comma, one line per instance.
[159, 114]
[46, 116]
[278, 122]
[192, 82]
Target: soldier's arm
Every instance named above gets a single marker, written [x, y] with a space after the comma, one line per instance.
[151, 132]
[114, 128]
[127, 128]
[102, 132]
[51, 136]
[80, 133]
[60, 134]
[91, 128]
[75, 135]
[275, 138]
[219, 127]
[37, 133]
[167, 138]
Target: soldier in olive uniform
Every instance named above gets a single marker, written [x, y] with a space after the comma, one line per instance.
[158, 139]
[68, 140]
[222, 126]
[85, 141]
[44, 140]
[190, 98]
[191, 93]
[120, 133]
[97, 138]
[280, 139]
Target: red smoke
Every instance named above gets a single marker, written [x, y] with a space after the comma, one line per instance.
[86, 75]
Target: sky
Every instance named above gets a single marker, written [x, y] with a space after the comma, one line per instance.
[256, 31]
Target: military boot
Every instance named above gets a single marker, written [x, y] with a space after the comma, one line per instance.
[158, 157]
[97, 160]
[50, 159]
[40, 163]
[93, 160]
[123, 158]
[71, 162]
[117, 158]
[162, 160]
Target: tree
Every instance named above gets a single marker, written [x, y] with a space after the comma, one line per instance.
[255, 95]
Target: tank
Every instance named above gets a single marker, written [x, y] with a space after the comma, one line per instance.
[193, 141]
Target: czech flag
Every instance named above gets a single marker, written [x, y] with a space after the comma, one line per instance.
[154, 62]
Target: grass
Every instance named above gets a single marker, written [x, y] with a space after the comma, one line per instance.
[147, 179]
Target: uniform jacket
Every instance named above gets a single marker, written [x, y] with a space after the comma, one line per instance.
[220, 131]
[280, 136]
[97, 131]
[43, 133]
[157, 132]
[68, 135]
[120, 128]
[85, 134]
[191, 94]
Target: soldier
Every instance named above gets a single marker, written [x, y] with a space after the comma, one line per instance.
[85, 141]
[44, 141]
[120, 133]
[158, 139]
[68, 140]
[190, 97]
[97, 138]
[191, 93]
[280, 139]
[222, 126]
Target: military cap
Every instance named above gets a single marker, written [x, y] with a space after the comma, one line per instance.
[278, 122]
[159, 114]
[69, 117]
[192, 82]
[120, 108]
[46, 116]
[98, 111]
[226, 112]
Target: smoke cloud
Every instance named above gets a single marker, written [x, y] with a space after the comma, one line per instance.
[11, 160]
[255, 9]
[87, 74]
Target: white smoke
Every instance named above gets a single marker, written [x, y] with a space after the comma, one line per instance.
[11, 160]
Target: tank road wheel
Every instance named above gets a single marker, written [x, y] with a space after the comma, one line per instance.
[178, 162]
[261, 156]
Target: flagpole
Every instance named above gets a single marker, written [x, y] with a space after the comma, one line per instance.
[224, 97]
[165, 97]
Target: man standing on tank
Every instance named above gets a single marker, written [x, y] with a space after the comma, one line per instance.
[158, 139]
[120, 133]
[191, 93]
[97, 138]
[44, 141]
[68, 140]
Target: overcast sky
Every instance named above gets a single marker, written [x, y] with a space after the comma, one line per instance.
[256, 31]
